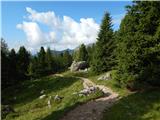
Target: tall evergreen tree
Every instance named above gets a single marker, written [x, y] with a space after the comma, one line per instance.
[49, 60]
[82, 53]
[13, 72]
[90, 50]
[4, 64]
[138, 48]
[33, 70]
[42, 66]
[104, 47]
[23, 60]
[67, 58]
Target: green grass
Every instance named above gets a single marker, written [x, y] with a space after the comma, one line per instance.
[137, 106]
[28, 106]
[142, 105]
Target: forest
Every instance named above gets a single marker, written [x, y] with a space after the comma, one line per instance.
[132, 53]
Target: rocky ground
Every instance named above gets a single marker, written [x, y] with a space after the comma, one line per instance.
[92, 110]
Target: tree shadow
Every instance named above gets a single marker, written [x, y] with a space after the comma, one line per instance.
[90, 105]
[56, 115]
[30, 90]
[137, 106]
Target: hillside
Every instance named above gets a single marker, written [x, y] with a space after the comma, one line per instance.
[27, 104]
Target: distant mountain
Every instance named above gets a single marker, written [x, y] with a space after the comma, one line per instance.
[62, 51]
[88, 45]
[69, 50]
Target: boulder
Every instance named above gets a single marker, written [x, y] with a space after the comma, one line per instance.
[106, 76]
[76, 66]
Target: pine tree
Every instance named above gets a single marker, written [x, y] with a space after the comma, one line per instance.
[49, 60]
[23, 60]
[90, 50]
[13, 72]
[102, 60]
[42, 66]
[138, 48]
[82, 53]
[67, 59]
[4, 64]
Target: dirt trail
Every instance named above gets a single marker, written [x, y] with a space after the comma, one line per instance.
[92, 110]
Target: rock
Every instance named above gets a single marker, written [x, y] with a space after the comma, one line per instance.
[106, 76]
[49, 102]
[76, 66]
[87, 91]
[57, 98]
[92, 89]
[84, 92]
[42, 96]
[42, 92]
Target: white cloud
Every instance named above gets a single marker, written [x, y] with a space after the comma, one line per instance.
[33, 32]
[64, 33]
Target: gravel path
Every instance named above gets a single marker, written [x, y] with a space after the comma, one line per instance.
[92, 110]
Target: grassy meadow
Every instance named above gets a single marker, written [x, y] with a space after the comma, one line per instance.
[28, 106]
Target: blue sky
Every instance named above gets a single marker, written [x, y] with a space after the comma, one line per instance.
[14, 13]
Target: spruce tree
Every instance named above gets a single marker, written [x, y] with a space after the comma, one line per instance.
[4, 64]
[82, 53]
[42, 66]
[13, 72]
[49, 60]
[138, 44]
[102, 60]
[23, 60]
[67, 59]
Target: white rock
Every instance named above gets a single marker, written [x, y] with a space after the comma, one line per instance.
[106, 76]
[42, 92]
[42, 96]
[57, 97]
[49, 103]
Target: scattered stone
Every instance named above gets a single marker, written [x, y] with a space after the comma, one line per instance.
[93, 89]
[49, 102]
[106, 76]
[42, 92]
[76, 66]
[42, 96]
[58, 98]
[87, 91]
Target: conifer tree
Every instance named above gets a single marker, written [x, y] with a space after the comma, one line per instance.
[23, 61]
[82, 53]
[67, 59]
[138, 44]
[13, 72]
[49, 60]
[102, 60]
